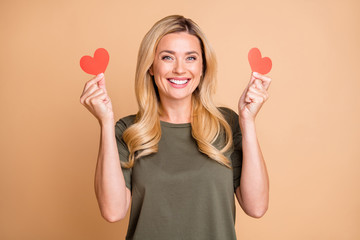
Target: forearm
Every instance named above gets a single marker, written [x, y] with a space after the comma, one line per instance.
[254, 182]
[110, 188]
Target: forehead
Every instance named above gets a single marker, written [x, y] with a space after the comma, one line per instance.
[179, 42]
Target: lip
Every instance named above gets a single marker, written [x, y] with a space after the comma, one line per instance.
[179, 78]
[178, 85]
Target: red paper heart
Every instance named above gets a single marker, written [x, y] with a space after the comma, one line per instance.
[257, 63]
[97, 64]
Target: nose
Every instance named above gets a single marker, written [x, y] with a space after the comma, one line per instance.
[179, 67]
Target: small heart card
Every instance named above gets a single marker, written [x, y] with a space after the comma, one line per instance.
[259, 64]
[97, 64]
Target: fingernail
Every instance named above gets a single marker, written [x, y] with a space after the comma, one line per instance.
[101, 75]
[256, 74]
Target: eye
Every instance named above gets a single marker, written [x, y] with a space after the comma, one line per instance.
[166, 57]
[191, 58]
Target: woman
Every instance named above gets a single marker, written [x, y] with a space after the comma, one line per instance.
[180, 158]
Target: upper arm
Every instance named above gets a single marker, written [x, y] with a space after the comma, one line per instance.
[123, 150]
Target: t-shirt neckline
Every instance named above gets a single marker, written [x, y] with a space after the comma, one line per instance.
[175, 125]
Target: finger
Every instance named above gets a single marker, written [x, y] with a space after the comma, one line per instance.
[249, 98]
[93, 81]
[258, 84]
[254, 98]
[252, 79]
[99, 95]
[265, 79]
[99, 99]
[260, 88]
[259, 92]
[101, 84]
[105, 98]
[96, 93]
[88, 92]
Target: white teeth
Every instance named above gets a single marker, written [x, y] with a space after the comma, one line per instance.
[178, 81]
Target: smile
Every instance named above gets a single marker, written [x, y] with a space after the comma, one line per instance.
[179, 82]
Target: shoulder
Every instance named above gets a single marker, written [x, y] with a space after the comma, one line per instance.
[123, 123]
[230, 116]
[227, 111]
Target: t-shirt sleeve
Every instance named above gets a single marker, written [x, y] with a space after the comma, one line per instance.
[123, 150]
[237, 154]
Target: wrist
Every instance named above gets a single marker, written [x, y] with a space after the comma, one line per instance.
[105, 122]
[246, 122]
[246, 119]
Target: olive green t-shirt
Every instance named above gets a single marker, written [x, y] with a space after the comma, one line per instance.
[179, 192]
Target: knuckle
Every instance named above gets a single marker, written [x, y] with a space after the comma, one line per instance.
[93, 86]
[87, 101]
[93, 101]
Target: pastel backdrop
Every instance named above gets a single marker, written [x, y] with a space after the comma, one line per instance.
[308, 129]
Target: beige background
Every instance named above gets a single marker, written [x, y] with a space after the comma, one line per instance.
[308, 129]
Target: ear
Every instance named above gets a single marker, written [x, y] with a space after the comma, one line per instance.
[151, 70]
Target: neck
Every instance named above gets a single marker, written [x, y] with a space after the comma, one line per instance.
[176, 111]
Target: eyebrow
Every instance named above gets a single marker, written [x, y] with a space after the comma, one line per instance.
[172, 52]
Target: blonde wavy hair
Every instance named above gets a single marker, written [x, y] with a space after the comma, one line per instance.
[143, 136]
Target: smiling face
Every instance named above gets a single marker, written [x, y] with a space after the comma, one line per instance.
[177, 66]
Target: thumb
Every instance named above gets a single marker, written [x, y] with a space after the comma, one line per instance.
[101, 83]
[252, 80]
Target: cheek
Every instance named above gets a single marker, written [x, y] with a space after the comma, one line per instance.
[161, 69]
[197, 70]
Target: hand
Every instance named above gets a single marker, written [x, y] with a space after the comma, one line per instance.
[253, 96]
[95, 98]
